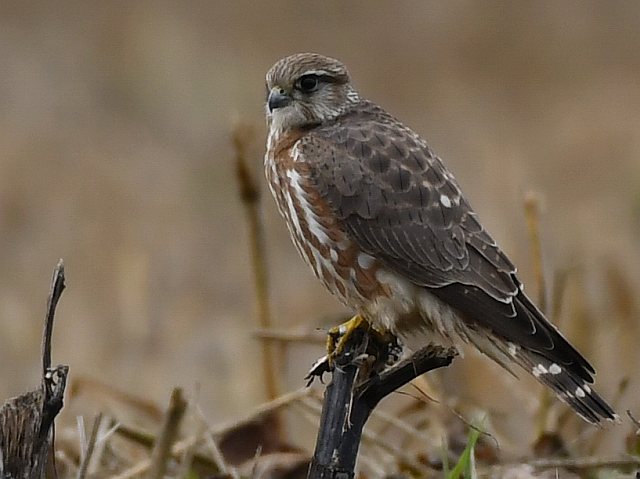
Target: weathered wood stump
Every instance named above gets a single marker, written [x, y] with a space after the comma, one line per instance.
[26, 422]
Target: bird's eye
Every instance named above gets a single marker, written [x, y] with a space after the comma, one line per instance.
[308, 83]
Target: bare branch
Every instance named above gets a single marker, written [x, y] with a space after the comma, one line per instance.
[57, 287]
[88, 453]
[350, 399]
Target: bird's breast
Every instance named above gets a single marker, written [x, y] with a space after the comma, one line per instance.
[317, 233]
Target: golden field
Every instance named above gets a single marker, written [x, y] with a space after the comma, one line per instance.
[115, 154]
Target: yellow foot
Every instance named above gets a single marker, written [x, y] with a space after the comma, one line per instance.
[339, 336]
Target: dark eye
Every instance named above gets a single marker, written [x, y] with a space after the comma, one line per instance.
[308, 83]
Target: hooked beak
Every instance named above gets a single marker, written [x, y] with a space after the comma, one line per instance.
[278, 98]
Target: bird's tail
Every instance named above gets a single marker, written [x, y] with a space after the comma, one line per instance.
[571, 383]
[517, 332]
[558, 365]
[567, 385]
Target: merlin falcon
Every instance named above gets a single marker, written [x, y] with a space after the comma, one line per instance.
[384, 225]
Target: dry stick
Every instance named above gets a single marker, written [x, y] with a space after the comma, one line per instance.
[57, 287]
[105, 431]
[310, 412]
[82, 435]
[187, 449]
[250, 196]
[560, 282]
[289, 337]
[53, 380]
[189, 454]
[311, 408]
[216, 453]
[136, 435]
[348, 403]
[374, 440]
[532, 215]
[88, 453]
[162, 449]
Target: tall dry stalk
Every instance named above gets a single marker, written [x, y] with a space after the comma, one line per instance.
[532, 216]
[250, 197]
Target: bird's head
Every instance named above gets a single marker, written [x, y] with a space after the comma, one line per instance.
[307, 89]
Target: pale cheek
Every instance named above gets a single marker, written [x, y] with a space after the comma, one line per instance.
[325, 107]
[283, 119]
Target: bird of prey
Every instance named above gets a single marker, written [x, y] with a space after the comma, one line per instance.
[384, 225]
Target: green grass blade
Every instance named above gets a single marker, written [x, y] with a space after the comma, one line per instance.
[466, 463]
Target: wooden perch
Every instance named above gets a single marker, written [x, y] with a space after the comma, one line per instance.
[26, 422]
[356, 388]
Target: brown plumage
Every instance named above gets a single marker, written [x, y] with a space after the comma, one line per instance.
[384, 225]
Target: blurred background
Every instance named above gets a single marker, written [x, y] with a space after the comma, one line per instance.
[115, 154]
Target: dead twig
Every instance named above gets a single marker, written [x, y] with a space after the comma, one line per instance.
[290, 337]
[532, 215]
[162, 449]
[211, 442]
[57, 287]
[88, 451]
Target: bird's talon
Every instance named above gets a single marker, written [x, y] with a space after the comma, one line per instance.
[339, 336]
[319, 367]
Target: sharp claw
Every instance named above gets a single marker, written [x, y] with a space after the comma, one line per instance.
[386, 349]
[319, 367]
